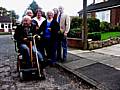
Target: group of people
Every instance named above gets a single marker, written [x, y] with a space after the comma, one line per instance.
[53, 29]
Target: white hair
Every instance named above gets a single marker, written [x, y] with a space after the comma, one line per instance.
[26, 17]
[29, 10]
[50, 11]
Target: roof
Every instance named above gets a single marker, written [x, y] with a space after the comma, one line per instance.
[102, 6]
[5, 19]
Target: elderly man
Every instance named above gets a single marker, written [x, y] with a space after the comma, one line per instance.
[64, 21]
[21, 35]
[56, 12]
[49, 28]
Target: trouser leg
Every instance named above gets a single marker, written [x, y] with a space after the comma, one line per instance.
[64, 46]
[24, 50]
[53, 52]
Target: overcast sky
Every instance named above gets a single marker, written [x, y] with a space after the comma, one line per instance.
[71, 6]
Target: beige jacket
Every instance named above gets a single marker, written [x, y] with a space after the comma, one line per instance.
[65, 23]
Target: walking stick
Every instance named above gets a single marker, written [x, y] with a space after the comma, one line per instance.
[31, 54]
[38, 65]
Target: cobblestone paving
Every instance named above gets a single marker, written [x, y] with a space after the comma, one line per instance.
[9, 80]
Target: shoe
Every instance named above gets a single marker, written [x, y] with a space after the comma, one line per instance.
[42, 77]
[59, 59]
[63, 60]
[52, 64]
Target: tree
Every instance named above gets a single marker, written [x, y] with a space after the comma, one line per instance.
[3, 11]
[33, 6]
[13, 16]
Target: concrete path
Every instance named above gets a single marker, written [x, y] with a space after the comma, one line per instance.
[100, 67]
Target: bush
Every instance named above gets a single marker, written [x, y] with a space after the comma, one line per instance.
[116, 28]
[104, 26]
[75, 33]
[93, 25]
[76, 22]
[94, 36]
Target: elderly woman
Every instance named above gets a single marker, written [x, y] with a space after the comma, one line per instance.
[49, 29]
[29, 12]
[39, 19]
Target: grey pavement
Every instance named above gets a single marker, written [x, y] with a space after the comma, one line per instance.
[100, 67]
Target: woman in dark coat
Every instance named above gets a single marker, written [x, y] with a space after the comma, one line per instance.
[49, 29]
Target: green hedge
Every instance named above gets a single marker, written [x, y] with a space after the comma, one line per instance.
[94, 36]
[75, 33]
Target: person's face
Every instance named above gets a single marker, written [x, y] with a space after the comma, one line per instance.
[39, 14]
[30, 14]
[26, 22]
[61, 10]
[50, 15]
[55, 11]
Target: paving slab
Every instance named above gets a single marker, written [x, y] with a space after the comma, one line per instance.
[79, 63]
[77, 51]
[105, 77]
[72, 57]
[111, 50]
[94, 56]
[113, 62]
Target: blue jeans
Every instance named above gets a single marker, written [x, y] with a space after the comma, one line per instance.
[64, 46]
[62, 43]
[24, 50]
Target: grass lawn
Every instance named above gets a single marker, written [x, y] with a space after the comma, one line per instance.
[5, 33]
[107, 35]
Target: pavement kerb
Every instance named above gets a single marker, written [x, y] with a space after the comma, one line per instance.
[82, 76]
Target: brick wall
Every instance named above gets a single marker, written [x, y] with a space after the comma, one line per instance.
[115, 16]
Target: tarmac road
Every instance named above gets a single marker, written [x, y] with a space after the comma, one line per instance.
[56, 79]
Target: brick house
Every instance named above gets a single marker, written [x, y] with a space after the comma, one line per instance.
[105, 10]
[5, 24]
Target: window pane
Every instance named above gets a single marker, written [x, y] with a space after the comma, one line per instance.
[2, 25]
[9, 25]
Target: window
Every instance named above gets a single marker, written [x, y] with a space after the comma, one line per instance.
[103, 16]
[9, 26]
[2, 25]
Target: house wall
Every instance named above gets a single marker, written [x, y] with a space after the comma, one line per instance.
[115, 16]
[7, 27]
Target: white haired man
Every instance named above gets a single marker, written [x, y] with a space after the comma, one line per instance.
[21, 36]
[64, 21]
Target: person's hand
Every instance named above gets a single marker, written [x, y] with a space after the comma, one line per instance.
[65, 34]
[25, 39]
[49, 29]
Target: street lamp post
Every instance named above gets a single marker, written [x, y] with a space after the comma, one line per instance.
[84, 28]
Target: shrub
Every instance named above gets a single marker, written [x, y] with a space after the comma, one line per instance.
[75, 33]
[104, 26]
[76, 22]
[93, 25]
[94, 36]
[116, 28]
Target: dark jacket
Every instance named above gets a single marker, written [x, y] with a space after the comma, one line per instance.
[54, 29]
[21, 33]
